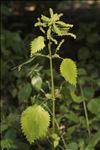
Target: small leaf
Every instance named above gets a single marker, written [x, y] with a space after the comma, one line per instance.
[40, 24]
[71, 34]
[42, 29]
[54, 18]
[73, 146]
[63, 24]
[56, 29]
[75, 98]
[10, 134]
[45, 19]
[64, 32]
[35, 122]
[13, 144]
[93, 141]
[89, 92]
[8, 144]
[68, 70]
[37, 82]
[94, 105]
[4, 126]
[56, 139]
[72, 117]
[51, 12]
[24, 92]
[82, 72]
[37, 44]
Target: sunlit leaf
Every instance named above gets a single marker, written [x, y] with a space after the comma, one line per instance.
[75, 98]
[63, 24]
[34, 122]
[37, 44]
[37, 82]
[68, 70]
[56, 139]
[45, 19]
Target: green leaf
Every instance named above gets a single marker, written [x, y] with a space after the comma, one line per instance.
[75, 98]
[10, 134]
[50, 37]
[12, 144]
[13, 119]
[94, 105]
[56, 29]
[40, 24]
[82, 72]
[4, 126]
[63, 24]
[37, 82]
[71, 34]
[72, 117]
[71, 130]
[56, 139]
[25, 92]
[45, 19]
[42, 29]
[54, 18]
[37, 44]
[93, 141]
[51, 12]
[8, 144]
[88, 91]
[63, 31]
[81, 144]
[72, 146]
[68, 70]
[34, 122]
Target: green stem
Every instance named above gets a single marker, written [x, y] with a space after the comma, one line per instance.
[61, 135]
[86, 113]
[52, 89]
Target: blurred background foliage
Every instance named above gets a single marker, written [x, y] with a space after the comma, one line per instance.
[17, 88]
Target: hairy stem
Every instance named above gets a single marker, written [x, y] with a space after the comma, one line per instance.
[52, 88]
[86, 113]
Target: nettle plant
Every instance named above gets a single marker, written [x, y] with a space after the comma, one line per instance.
[35, 120]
